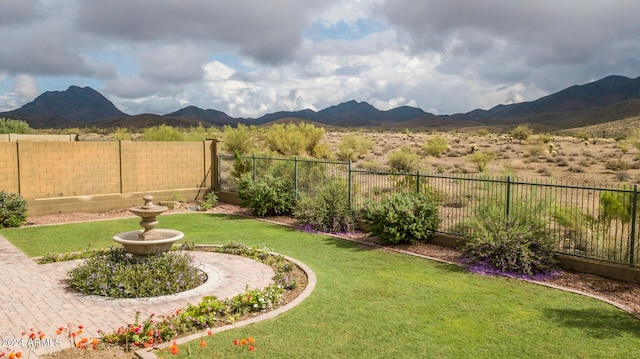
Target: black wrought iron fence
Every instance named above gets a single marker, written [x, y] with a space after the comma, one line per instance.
[594, 222]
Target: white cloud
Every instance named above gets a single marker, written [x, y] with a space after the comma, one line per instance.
[446, 56]
[26, 86]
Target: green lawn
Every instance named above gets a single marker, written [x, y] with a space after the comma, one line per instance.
[376, 304]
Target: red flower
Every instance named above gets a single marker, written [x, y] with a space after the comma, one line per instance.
[251, 348]
[236, 342]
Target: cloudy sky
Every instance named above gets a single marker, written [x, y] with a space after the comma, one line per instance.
[252, 57]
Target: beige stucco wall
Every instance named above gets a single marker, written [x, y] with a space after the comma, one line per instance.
[62, 177]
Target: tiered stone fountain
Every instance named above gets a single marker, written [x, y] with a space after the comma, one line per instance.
[148, 241]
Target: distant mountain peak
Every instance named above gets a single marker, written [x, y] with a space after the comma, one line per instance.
[82, 104]
[608, 99]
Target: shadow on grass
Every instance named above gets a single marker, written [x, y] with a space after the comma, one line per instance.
[229, 217]
[598, 324]
[345, 244]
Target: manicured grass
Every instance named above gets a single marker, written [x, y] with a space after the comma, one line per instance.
[376, 304]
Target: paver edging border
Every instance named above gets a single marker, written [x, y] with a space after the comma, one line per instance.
[147, 353]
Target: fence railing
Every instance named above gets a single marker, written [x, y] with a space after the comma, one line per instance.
[593, 222]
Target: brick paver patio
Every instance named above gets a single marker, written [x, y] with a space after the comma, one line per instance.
[35, 296]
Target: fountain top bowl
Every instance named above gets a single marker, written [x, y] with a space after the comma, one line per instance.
[148, 207]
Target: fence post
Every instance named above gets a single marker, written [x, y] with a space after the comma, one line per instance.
[349, 184]
[634, 211]
[418, 181]
[295, 175]
[254, 168]
[215, 165]
[508, 195]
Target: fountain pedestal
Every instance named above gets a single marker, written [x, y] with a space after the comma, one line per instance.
[148, 241]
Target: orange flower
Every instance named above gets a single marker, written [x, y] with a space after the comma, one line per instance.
[251, 340]
[12, 355]
[243, 342]
[174, 348]
[203, 344]
[41, 336]
[19, 355]
[251, 348]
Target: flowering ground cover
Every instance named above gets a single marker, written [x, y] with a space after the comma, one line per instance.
[375, 303]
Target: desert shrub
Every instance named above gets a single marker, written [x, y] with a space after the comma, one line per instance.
[8, 125]
[516, 244]
[616, 206]
[162, 133]
[13, 209]
[403, 217]
[239, 140]
[623, 146]
[582, 135]
[268, 196]
[535, 151]
[328, 209]
[482, 159]
[483, 132]
[521, 132]
[617, 165]
[291, 139]
[210, 201]
[121, 134]
[545, 137]
[353, 146]
[118, 274]
[370, 165]
[404, 160]
[200, 133]
[436, 146]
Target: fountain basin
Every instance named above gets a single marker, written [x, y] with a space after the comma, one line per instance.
[154, 242]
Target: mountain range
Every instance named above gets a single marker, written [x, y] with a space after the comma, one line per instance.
[609, 99]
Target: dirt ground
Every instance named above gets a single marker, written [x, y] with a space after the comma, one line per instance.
[555, 158]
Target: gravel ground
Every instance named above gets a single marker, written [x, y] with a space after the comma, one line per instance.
[623, 294]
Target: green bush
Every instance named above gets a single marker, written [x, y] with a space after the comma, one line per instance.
[294, 140]
[162, 133]
[436, 146]
[268, 196]
[210, 201]
[482, 159]
[327, 210]
[13, 209]
[521, 132]
[404, 160]
[354, 146]
[237, 140]
[121, 134]
[403, 217]
[516, 244]
[13, 126]
[118, 274]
